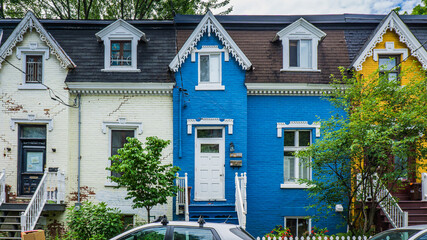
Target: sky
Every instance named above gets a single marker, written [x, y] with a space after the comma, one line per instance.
[301, 7]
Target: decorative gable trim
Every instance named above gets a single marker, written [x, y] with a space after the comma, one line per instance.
[392, 22]
[120, 23]
[292, 29]
[30, 22]
[210, 24]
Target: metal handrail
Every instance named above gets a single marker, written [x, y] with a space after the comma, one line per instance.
[240, 205]
[2, 187]
[182, 196]
[50, 188]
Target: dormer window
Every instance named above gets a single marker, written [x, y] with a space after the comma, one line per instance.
[210, 67]
[120, 46]
[299, 43]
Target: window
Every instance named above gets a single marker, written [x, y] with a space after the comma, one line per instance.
[300, 53]
[294, 167]
[210, 69]
[34, 69]
[118, 140]
[121, 53]
[389, 65]
[299, 226]
[147, 234]
[183, 233]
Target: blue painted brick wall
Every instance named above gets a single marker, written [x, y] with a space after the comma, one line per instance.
[268, 204]
[230, 103]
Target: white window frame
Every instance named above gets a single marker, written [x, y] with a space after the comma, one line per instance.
[298, 217]
[33, 50]
[107, 56]
[286, 54]
[110, 183]
[210, 50]
[296, 148]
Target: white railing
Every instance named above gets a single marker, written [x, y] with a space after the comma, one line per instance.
[2, 187]
[316, 238]
[51, 190]
[424, 186]
[182, 196]
[241, 202]
[397, 217]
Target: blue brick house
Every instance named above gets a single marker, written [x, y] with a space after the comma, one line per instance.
[245, 100]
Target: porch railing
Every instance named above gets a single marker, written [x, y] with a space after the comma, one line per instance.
[182, 196]
[2, 187]
[241, 202]
[424, 186]
[50, 189]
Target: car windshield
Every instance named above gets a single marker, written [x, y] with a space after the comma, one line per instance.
[403, 234]
[240, 232]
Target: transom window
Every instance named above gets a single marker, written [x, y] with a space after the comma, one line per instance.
[34, 69]
[295, 168]
[121, 53]
[300, 53]
[389, 65]
[210, 68]
[298, 225]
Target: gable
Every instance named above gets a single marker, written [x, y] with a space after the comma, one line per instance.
[391, 22]
[121, 28]
[30, 23]
[210, 25]
[300, 28]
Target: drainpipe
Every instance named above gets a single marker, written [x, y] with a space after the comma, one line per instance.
[180, 124]
[78, 149]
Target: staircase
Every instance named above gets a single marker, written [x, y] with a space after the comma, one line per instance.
[10, 220]
[214, 213]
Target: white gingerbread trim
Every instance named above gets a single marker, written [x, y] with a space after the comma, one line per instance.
[289, 89]
[297, 125]
[209, 121]
[210, 25]
[393, 22]
[30, 22]
[31, 119]
[122, 124]
[390, 50]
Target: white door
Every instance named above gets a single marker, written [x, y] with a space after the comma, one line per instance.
[209, 163]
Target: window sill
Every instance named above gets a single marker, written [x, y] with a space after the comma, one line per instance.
[30, 86]
[209, 87]
[293, 186]
[299, 70]
[111, 184]
[120, 70]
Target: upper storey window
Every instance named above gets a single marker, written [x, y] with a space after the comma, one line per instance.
[389, 66]
[299, 42]
[120, 46]
[34, 69]
[210, 67]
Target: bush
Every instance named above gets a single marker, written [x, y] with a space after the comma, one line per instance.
[93, 221]
[279, 232]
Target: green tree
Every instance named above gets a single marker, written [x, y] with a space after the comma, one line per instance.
[420, 9]
[372, 141]
[147, 180]
[102, 9]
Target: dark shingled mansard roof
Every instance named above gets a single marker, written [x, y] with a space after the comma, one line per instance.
[78, 40]
[346, 36]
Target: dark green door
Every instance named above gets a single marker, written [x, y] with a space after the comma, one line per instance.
[32, 141]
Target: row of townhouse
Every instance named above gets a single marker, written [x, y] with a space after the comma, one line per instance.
[234, 94]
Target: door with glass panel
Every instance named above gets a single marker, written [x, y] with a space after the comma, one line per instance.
[209, 164]
[32, 157]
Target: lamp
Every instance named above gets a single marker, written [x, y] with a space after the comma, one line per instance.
[231, 147]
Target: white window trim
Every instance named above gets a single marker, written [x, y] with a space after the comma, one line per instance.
[31, 119]
[314, 44]
[296, 149]
[390, 50]
[32, 49]
[209, 121]
[210, 50]
[298, 217]
[121, 124]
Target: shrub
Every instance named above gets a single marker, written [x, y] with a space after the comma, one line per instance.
[279, 232]
[93, 221]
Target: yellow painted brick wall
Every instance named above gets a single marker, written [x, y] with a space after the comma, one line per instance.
[155, 113]
[17, 103]
[407, 67]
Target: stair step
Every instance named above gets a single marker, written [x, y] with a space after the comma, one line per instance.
[219, 220]
[10, 230]
[213, 214]
[10, 237]
[10, 223]
[211, 207]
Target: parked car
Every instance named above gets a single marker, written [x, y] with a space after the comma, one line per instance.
[178, 230]
[418, 232]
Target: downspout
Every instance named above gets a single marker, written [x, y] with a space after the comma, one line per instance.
[180, 123]
[78, 149]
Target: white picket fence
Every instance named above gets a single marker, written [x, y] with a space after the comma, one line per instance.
[317, 238]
